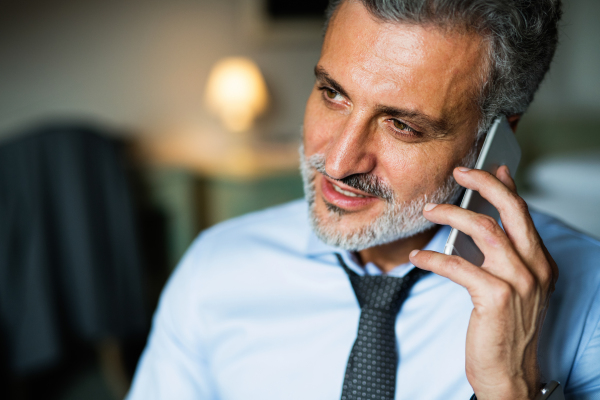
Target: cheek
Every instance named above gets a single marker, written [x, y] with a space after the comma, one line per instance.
[418, 170]
[319, 125]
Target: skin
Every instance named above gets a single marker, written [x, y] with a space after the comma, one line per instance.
[368, 71]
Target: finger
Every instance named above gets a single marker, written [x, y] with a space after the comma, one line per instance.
[503, 174]
[515, 217]
[501, 258]
[550, 281]
[483, 229]
[479, 283]
[513, 210]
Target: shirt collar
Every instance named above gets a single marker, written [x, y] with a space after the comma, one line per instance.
[316, 248]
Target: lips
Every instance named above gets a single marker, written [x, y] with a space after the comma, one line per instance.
[345, 192]
[344, 196]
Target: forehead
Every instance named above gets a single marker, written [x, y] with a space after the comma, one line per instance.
[429, 68]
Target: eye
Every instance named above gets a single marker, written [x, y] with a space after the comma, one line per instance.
[402, 129]
[401, 125]
[331, 94]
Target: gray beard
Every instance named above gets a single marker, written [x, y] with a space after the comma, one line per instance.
[399, 220]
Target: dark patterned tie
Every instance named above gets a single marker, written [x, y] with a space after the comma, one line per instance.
[373, 361]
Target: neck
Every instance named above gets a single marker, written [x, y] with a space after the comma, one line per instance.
[387, 256]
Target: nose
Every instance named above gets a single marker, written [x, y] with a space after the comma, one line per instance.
[348, 152]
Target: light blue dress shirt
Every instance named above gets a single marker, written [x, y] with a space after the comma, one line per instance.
[259, 308]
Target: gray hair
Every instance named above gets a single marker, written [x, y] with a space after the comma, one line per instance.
[521, 35]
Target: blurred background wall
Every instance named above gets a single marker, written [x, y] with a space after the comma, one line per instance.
[137, 70]
[143, 64]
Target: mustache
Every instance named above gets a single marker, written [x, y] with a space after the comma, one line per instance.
[367, 183]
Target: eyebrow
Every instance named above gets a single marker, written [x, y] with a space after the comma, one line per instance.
[437, 127]
[323, 76]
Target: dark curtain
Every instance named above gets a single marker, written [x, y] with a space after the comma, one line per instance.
[69, 261]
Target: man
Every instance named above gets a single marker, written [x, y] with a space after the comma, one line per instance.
[264, 307]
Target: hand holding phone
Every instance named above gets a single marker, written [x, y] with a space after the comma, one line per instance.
[499, 148]
[511, 290]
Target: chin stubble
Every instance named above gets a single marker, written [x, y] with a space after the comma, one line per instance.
[399, 219]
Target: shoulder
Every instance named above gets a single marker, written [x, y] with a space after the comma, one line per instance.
[223, 259]
[576, 254]
[574, 312]
[566, 243]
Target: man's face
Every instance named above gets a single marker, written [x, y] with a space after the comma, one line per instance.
[391, 114]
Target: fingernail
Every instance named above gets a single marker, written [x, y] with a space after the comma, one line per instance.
[508, 170]
[464, 169]
[430, 206]
[413, 253]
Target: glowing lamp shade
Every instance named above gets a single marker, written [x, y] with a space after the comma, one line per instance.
[236, 92]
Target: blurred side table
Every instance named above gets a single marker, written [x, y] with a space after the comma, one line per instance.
[199, 180]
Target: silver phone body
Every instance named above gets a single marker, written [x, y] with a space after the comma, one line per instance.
[499, 148]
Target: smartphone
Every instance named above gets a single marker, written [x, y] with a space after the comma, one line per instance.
[499, 148]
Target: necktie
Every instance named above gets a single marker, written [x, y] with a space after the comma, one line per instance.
[373, 361]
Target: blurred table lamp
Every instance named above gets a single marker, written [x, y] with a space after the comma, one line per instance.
[236, 92]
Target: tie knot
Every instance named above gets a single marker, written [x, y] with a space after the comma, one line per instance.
[380, 292]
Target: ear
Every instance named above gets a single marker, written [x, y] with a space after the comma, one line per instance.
[513, 121]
